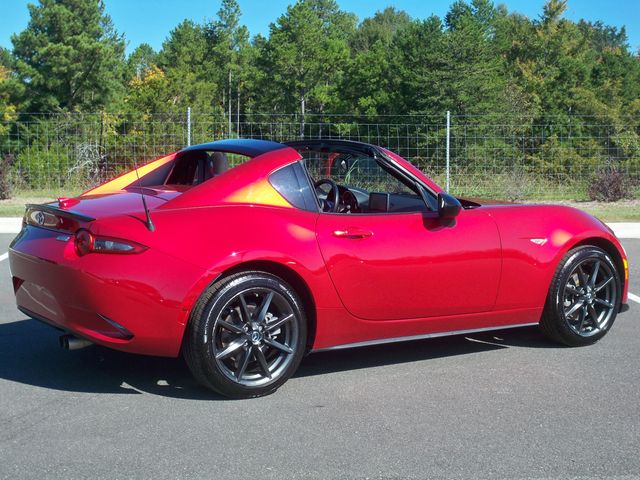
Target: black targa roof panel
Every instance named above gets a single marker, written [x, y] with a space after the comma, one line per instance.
[240, 146]
[330, 145]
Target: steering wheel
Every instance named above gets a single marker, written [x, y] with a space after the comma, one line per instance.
[333, 195]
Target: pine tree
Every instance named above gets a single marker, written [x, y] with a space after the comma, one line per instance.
[143, 58]
[183, 61]
[69, 57]
[369, 81]
[306, 55]
[229, 57]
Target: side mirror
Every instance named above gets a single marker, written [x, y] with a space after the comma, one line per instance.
[448, 206]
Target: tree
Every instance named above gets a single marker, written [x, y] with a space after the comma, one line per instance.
[306, 55]
[10, 89]
[474, 77]
[419, 64]
[143, 58]
[150, 92]
[368, 82]
[615, 76]
[183, 60]
[382, 27]
[69, 57]
[230, 55]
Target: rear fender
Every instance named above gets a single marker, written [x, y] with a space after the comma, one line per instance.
[223, 238]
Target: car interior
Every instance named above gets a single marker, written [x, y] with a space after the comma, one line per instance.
[352, 182]
[196, 167]
[189, 169]
[344, 181]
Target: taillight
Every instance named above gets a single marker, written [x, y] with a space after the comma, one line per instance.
[86, 243]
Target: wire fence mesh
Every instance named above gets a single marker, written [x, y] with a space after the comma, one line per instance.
[491, 155]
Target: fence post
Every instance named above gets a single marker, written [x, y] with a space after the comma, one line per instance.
[188, 126]
[448, 145]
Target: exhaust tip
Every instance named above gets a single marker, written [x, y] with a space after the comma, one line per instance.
[71, 342]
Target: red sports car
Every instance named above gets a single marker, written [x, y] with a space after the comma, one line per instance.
[244, 255]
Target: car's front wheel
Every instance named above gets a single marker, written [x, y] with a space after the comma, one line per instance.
[246, 335]
[583, 297]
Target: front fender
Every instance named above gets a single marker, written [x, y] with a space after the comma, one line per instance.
[534, 240]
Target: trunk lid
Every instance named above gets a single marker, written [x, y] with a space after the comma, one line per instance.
[69, 214]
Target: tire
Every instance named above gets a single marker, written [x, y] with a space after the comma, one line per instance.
[246, 335]
[581, 307]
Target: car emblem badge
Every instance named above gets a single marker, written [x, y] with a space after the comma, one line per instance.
[40, 218]
[256, 336]
[539, 241]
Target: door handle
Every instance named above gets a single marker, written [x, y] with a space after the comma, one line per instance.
[352, 233]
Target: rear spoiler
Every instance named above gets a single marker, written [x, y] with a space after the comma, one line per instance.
[54, 218]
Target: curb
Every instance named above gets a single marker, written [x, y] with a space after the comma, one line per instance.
[625, 230]
[10, 224]
[621, 229]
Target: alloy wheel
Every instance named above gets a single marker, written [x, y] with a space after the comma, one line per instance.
[254, 337]
[589, 296]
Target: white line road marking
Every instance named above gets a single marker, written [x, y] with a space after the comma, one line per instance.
[4, 256]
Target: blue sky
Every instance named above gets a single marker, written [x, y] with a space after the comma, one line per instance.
[151, 20]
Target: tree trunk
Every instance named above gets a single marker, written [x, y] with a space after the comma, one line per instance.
[238, 111]
[302, 99]
[229, 102]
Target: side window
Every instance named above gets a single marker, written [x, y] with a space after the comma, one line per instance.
[364, 172]
[366, 185]
[292, 183]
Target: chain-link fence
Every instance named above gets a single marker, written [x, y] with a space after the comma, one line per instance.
[491, 155]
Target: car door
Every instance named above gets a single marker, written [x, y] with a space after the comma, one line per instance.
[410, 265]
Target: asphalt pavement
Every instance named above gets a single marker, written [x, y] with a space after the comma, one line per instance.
[505, 404]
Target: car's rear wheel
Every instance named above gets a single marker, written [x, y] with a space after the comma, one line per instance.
[583, 298]
[246, 335]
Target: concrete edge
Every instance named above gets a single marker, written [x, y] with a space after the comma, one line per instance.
[10, 224]
[621, 229]
[625, 229]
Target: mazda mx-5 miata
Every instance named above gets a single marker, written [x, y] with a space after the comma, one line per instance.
[244, 255]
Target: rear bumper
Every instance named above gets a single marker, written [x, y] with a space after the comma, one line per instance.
[134, 303]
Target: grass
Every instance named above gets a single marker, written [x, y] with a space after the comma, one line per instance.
[615, 213]
[622, 211]
[14, 207]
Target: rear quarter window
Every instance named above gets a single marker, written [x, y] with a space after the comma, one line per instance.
[292, 183]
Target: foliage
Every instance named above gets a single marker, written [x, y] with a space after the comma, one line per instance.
[305, 56]
[143, 58]
[545, 98]
[477, 59]
[230, 57]
[69, 57]
[609, 184]
[8, 87]
[5, 182]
